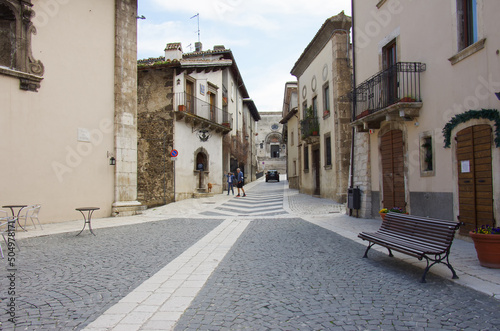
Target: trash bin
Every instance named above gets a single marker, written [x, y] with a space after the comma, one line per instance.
[353, 198]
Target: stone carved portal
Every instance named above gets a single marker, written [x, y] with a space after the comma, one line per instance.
[16, 55]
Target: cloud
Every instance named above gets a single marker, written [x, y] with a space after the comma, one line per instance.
[266, 37]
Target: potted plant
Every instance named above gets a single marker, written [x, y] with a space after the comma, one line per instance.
[487, 243]
[384, 211]
[407, 99]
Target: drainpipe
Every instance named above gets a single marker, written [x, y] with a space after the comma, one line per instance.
[353, 130]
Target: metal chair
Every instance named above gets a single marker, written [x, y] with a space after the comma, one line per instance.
[31, 213]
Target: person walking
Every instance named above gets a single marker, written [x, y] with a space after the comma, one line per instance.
[230, 182]
[239, 185]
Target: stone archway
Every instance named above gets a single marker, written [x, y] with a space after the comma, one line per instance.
[201, 168]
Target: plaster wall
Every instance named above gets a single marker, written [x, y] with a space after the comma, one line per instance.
[41, 132]
[310, 85]
[447, 88]
[186, 175]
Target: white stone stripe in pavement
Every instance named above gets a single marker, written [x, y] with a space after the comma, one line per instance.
[160, 301]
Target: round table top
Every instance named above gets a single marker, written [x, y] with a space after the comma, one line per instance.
[87, 208]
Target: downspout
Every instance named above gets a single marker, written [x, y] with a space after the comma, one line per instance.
[353, 132]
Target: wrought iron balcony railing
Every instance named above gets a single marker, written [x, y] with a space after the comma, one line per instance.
[309, 127]
[185, 102]
[398, 83]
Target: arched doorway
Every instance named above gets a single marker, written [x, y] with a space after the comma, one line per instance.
[392, 157]
[475, 185]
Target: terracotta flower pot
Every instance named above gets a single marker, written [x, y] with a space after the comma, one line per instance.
[382, 215]
[487, 249]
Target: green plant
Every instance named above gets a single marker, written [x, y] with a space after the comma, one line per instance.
[392, 210]
[487, 229]
[490, 114]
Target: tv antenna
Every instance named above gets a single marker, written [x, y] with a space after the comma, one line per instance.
[198, 16]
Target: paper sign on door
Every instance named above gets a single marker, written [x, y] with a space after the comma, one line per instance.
[465, 166]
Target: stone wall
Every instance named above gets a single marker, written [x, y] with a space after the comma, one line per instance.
[126, 109]
[362, 172]
[155, 141]
[342, 111]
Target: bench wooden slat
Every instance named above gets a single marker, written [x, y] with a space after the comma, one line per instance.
[416, 236]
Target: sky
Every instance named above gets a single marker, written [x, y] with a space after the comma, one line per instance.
[266, 37]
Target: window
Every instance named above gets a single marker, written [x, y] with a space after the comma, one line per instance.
[326, 100]
[315, 106]
[292, 139]
[426, 155]
[294, 168]
[467, 23]
[306, 158]
[16, 29]
[328, 151]
[304, 109]
[390, 86]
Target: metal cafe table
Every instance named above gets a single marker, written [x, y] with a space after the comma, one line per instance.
[11, 207]
[87, 219]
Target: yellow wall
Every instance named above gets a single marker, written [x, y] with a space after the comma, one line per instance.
[43, 161]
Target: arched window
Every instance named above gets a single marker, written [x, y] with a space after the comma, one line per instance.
[16, 58]
[201, 160]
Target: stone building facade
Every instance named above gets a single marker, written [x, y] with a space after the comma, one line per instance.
[269, 143]
[196, 106]
[290, 132]
[323, 74]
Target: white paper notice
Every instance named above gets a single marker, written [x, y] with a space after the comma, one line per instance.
[465, 166]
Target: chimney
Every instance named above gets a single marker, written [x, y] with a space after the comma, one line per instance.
[197, 46]
[173, 51]
[219, 48]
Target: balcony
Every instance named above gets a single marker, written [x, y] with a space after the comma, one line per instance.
[200, 112]
[392, 94]
[310, 130]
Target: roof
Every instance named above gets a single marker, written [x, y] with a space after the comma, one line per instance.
[219, 56]
[252, 108]
[340, 22]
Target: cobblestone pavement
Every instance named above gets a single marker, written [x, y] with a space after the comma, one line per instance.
[63, 281]
[288, 274]
[280, 273]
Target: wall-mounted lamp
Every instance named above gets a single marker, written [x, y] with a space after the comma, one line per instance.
[112, 160]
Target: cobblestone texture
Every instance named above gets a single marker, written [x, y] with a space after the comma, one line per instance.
[287, 274]
[283, 273]
[64, 282]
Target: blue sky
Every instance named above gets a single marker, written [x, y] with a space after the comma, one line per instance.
[266, 37]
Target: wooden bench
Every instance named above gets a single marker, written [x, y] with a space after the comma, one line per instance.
[416, 236]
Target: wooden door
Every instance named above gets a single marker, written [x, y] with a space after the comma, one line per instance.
[213, 113]
[190, 96]
[317, 167]
[393, 184]
[475, 187]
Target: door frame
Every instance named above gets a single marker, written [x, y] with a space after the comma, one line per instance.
[495, 167]
[386, 127]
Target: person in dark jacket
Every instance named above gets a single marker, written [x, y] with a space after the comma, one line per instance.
[240, 179]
